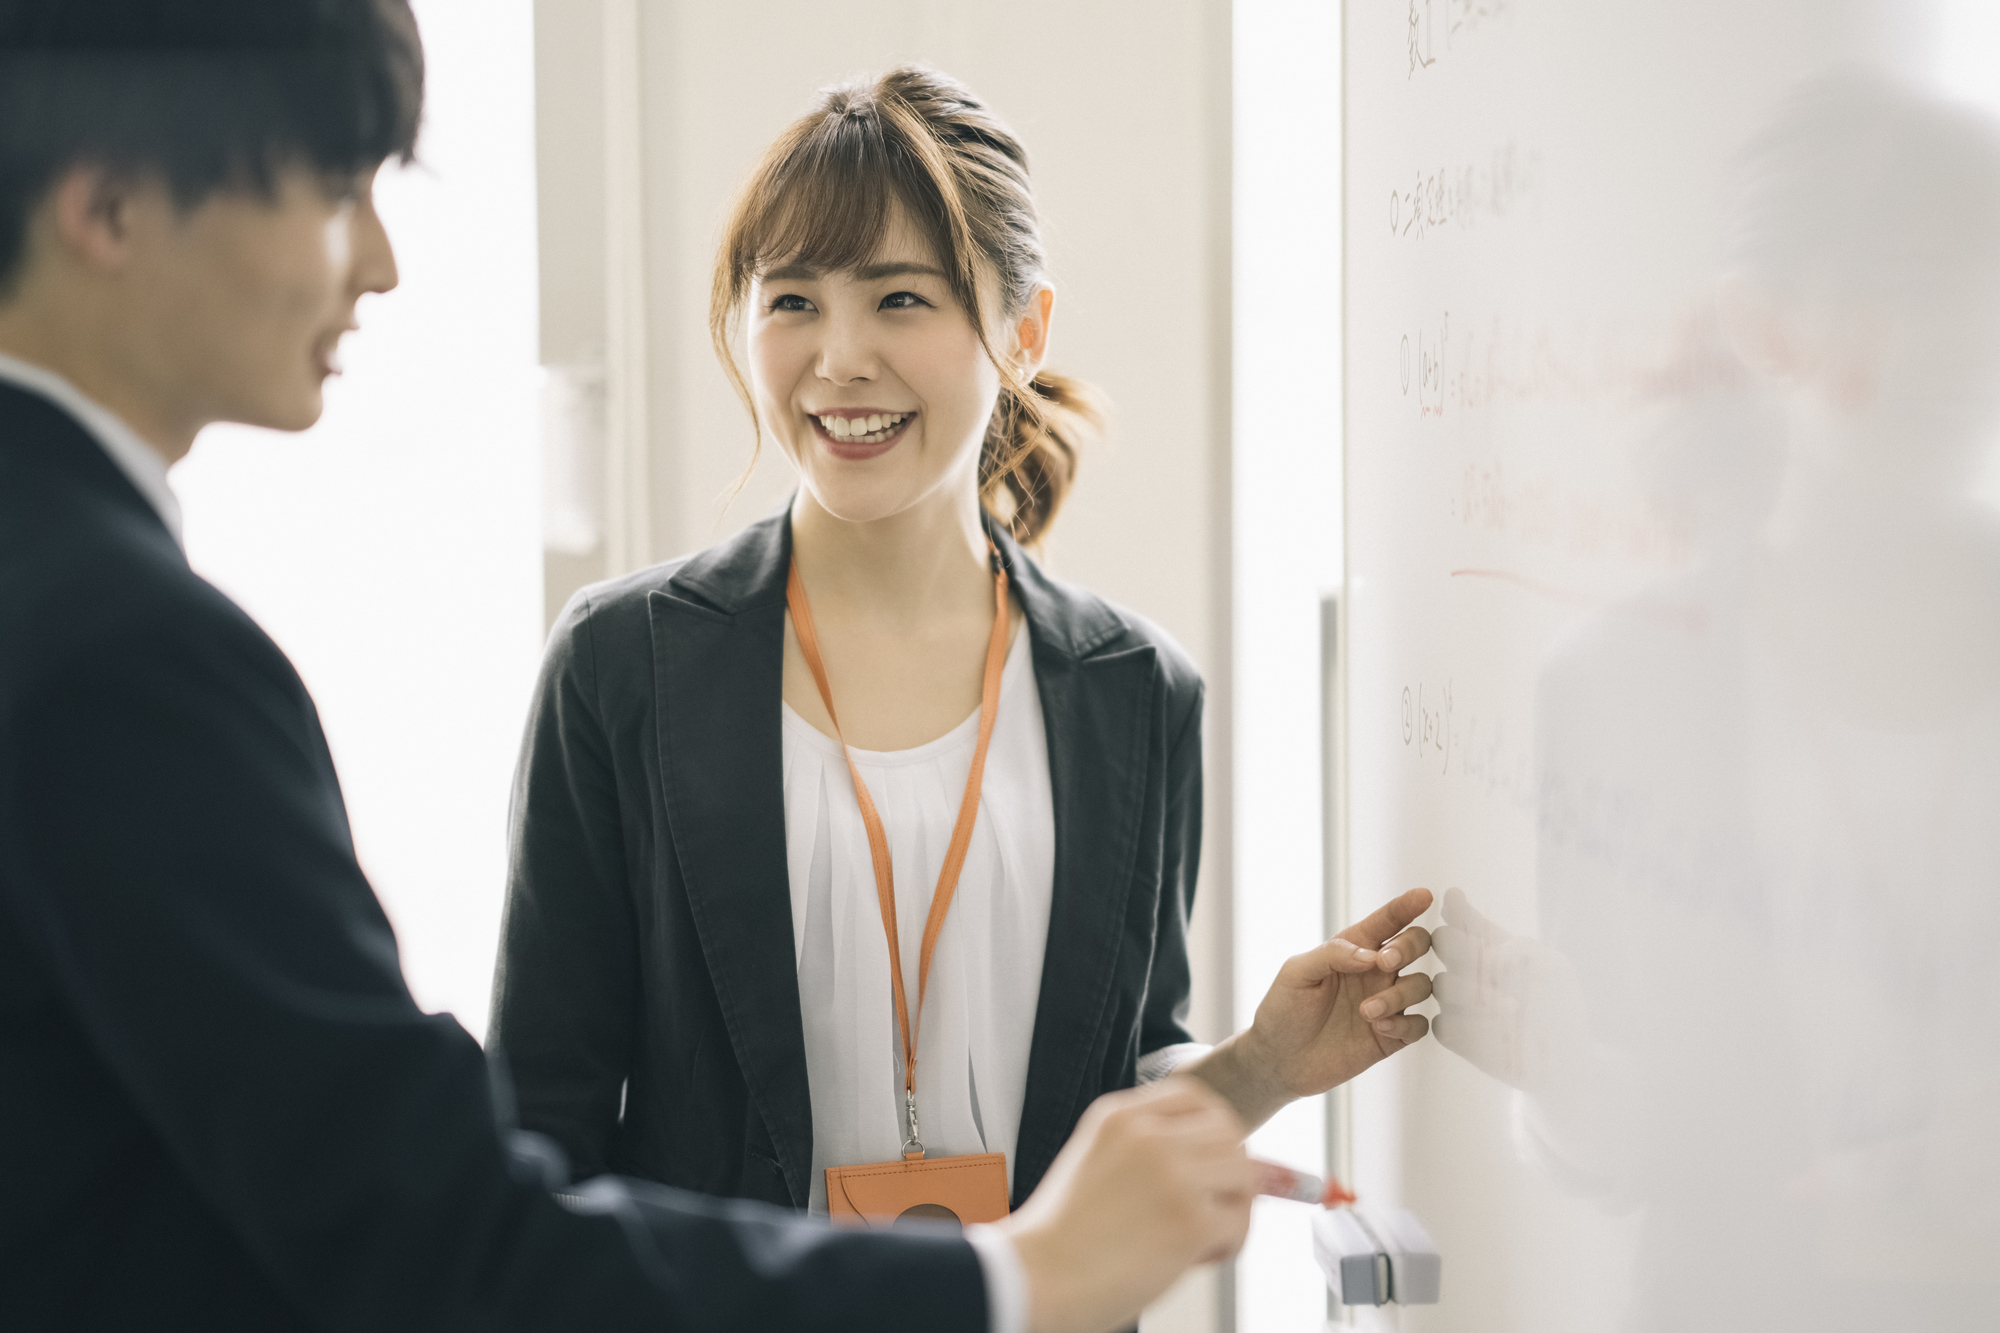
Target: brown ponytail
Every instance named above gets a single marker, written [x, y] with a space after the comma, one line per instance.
[822, 196]
[1029, 459]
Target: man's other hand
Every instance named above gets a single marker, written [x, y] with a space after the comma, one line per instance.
[1153, 1182]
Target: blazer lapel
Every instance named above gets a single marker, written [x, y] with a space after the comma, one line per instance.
[1096, 708]
[718, 661]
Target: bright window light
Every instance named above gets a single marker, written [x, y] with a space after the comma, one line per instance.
[394, 549]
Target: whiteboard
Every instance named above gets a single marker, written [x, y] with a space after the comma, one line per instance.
[1671, 641]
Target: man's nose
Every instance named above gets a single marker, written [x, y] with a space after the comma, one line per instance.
[375, 268]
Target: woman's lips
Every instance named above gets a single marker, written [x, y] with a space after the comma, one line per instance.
[853, 449]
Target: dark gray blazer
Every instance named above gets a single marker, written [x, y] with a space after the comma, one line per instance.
[220, 1109]
[647, 996]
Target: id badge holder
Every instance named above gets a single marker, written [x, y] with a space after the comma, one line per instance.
[965, 1189]
[962, 1190]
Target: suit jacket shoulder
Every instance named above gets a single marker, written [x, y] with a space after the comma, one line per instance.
[221, 1109]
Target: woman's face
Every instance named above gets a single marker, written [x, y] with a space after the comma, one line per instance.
[873, 381]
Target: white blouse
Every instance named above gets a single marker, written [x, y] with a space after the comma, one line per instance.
[979, 1015]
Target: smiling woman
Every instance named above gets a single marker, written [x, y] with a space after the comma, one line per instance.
[912, 200]
[754, 780]
[811, 333]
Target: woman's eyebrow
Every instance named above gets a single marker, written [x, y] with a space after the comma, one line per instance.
[874, 272]
[871, 273]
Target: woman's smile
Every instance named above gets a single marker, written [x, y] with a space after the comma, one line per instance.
[859, 433]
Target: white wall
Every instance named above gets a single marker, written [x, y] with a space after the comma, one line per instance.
[1287, 548]
[393, 549]
[1125, 108]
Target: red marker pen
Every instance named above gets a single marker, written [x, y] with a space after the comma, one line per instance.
[1282, 1182]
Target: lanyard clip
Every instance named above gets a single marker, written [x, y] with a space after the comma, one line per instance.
[913, 1144]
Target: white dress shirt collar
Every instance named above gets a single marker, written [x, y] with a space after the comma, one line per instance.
[138, 460]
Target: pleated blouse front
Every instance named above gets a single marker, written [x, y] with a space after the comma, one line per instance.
[979, 1015]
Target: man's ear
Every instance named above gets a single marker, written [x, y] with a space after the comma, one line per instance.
[1031, 335]
[90, 207]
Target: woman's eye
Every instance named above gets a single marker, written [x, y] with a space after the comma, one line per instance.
[903, 301]
[790, 304]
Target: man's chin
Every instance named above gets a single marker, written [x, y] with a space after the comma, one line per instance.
[297, 412]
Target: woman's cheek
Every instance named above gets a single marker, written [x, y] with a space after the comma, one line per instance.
[762, 363]
[770, 387]
[946, 377]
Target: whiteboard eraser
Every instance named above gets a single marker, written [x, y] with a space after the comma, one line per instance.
[1416, 1270]
[1356, 1268]
[1377, 1256]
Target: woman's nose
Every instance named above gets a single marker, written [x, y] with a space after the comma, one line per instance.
[846, 356]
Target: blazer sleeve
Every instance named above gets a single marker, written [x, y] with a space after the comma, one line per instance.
[178, 861]
[1163, 1023]
[566, 988]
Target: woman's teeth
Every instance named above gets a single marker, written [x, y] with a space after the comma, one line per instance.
[864, 430]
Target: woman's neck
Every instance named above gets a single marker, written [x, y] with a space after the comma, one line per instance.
[925, 562]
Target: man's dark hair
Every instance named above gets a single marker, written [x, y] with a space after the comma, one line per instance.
[201, 95]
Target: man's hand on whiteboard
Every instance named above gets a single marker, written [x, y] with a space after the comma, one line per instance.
[1332, 1012]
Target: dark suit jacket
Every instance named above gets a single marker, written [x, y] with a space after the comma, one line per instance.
[219, 1107]
[647, 996]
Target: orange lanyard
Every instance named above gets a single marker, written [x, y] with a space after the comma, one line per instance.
[878, 838]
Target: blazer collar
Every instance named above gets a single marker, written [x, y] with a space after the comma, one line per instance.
[1075, 626]
[745, 573]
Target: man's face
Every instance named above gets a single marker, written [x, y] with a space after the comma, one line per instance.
[247, 295]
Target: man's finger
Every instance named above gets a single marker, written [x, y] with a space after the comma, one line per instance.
[1218, 1126]
[1386, 920]
[1218, 1162]
[1178, 1094]
[1169, 1099]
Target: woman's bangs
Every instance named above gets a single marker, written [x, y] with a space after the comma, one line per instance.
[831, 204]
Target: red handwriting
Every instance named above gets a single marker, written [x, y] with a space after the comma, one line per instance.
[1630, 528]
[1450, 367]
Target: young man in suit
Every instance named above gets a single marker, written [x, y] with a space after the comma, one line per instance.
[219, 1107]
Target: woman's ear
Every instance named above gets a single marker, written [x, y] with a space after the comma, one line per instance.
[1031, 335]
